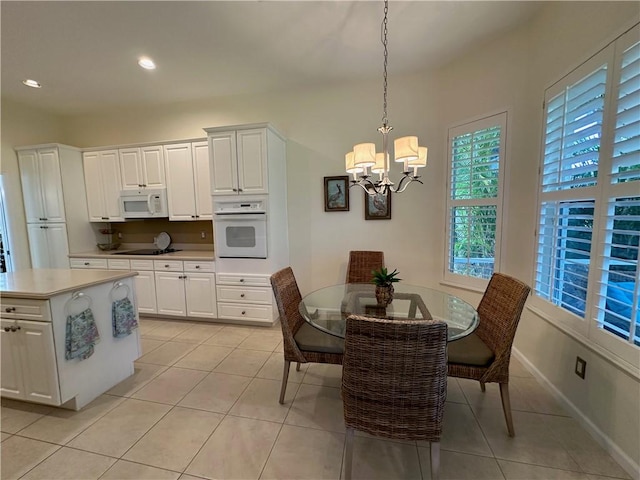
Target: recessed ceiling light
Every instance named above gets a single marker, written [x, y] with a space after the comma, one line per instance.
[146, 63]
[31, 83]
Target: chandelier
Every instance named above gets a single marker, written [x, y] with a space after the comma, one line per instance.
[407, 151]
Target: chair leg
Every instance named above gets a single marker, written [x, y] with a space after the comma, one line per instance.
[482, 387]
[298, 367]
[285, 377]
[349, 454]
[506, 406]
[434, 448]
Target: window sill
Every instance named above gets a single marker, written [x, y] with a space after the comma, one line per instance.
[594, 347]
[462, 286]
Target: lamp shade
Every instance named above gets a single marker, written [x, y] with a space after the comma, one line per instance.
[365, 155]
[406, 149]
[350, 166]
[379, 166]
[421, 161]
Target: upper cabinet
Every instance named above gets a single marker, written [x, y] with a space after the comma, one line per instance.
[238, 161]
[142, 167]
[41, 185]
[188, 181]
[103, 185]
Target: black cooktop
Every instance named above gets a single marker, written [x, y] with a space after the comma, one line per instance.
[148, 251]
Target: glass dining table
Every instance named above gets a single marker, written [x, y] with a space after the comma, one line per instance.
[328, 308]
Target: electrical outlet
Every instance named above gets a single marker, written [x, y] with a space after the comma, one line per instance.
[203, 235]
[120, 235]
[581, 367]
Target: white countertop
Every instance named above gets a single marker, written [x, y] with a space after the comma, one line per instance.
[197, 255]
[45, 283]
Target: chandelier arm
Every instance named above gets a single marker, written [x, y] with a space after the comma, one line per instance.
[367, 185]
[411, 179]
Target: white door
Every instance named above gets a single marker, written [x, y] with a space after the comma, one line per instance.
[170, 293]
[200, 292]
[130, 168]
[112, 184]
[57, 245]
[38, 245]
[11, 382]
[51, 183]
[31, 189]
[224, 164]
[94, 187]
[252, 161]
[152, 162]
[180, 186]
[202, 180]
[39, 369]
[146, 292]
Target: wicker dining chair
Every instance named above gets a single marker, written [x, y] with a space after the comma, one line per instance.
[394, 381]
[485, 354]
[361, 264]
[302, 342]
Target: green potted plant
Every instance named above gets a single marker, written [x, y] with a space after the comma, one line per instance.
[384, 281]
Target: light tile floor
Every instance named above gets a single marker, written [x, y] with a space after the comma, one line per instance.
[203, 403]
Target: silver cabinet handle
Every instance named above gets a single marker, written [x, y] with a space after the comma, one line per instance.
[166, 266]
[242, 295]
[87, 263]
[240, 190]
[243, 312]
[10, 309]
[197, 266]
[242, 280]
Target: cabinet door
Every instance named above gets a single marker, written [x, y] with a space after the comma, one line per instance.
[170, 293]
[38, 245]
[202, 180]
[112, 184]
[180, 186]
[200, 290]
[252, 161]
[152, 163]
[94, 187]
[31, 189]
[51, 183]
[11, 384]
[146, 292]
[224, 164]
[57, 245]
[130, 168]
[38, 359]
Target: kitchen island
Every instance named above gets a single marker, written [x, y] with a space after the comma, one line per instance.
[36, 306]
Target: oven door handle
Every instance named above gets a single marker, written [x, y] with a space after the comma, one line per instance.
[243, 217]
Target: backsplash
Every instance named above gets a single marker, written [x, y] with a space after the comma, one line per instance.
[145, 231]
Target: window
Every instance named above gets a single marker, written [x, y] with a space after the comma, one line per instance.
[474, 200]
[589, 202]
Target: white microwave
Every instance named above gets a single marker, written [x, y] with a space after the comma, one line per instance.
[148, 203]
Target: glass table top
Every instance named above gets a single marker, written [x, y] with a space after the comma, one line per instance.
[328, 308]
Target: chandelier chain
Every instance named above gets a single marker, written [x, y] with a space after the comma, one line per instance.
[385, 121]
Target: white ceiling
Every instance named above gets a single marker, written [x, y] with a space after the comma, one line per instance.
[85, 53]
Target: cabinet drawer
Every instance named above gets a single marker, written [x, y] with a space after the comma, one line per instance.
[118, 264]
[26, 309]
[142, 265]
[245, 312]
[168, 265]
[246, 280]
[88, 263]
[244, 295]
[206, 267]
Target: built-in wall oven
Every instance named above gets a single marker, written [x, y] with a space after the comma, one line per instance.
[240, 228]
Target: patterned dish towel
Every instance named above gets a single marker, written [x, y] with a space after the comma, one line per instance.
[82, 335]
[123, 317]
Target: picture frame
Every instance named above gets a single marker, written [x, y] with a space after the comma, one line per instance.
[378, 206]
[336, 194]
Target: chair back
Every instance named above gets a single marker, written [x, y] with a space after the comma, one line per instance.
[499, 312]
[394, 377]
[288, 297]
[361, 264]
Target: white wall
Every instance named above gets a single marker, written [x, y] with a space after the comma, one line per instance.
[22, 126]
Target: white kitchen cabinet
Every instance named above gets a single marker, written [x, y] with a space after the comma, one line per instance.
[95, 263]
[103, 185]
[246, 298]
[41, 185]
[238, 162]
[185, 289]
[146, 291]
[188, 181]
[28, 372]
[48, 245]
[170, 293]
[142, 167]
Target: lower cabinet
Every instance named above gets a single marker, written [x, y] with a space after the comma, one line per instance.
[186, 289]
[27, 370]
[246, 298]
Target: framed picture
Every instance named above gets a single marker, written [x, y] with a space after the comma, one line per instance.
[377, 207]
[336, 194]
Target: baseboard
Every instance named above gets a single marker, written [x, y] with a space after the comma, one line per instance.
[632, 468]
